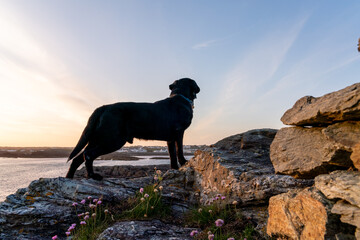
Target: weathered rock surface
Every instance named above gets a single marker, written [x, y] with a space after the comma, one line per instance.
[343, 185]
[308, 152]
[44, 208]
[337, 106]
[349, 213]
[304, 214]
[124, 171]
[241, 169]
[340, 184]
[347, 134]
[145, 230]
[355, 156]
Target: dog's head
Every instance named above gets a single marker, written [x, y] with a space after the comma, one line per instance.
[186, 87]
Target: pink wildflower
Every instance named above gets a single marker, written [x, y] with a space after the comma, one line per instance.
[234, 239]
[68, 233]
[211, 236]
[193, 233]
[75, 204]
[95, 200]
[141, 190]
[86, 217]
[83, 201]
[54, 237]
[223, 198]
[99, 202]
[82, 223]
[89, 197]
[219, 222]
[146, 195]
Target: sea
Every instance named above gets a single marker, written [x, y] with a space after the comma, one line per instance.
[18, 173]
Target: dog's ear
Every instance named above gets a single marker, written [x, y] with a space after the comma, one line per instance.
[196, 88]
[172, 86]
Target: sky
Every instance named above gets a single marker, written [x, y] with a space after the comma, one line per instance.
[61, 59]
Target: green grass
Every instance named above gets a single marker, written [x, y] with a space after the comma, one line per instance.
[235, 224]
[147, 205]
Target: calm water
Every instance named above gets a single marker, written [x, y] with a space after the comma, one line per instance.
[17, 173]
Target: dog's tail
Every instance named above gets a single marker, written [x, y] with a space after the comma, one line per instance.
[86, 134]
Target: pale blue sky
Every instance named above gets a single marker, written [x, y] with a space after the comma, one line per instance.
[59, 60]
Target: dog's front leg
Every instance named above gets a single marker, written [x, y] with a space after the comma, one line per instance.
[172, 154]
[179, 150]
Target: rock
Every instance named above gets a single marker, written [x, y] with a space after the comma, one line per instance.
[255, 139]
[349, 214]
[303, 214]
[347, 134]
[342, 105]
[124, 171]
[340, 184]
[355, 156]
[44, 209]
[357, 234]
[145, 230]
[308, 152]
[240, 169]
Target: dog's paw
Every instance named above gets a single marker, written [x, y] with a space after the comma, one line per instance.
[182, 163]
[96, 176]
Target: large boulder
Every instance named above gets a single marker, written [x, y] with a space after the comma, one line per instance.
[340, 184]
[304, 214]
[337, 106]
[308, 152]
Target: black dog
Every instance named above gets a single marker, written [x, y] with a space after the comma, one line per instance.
[111, 126]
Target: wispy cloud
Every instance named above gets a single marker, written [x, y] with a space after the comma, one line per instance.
[205, 44]
[243, 84]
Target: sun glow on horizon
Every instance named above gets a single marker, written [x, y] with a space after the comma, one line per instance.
[60, 60]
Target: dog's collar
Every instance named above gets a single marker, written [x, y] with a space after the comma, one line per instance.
[187, 99]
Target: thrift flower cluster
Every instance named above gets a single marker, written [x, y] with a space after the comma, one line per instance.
[149, 198]
[84, 217]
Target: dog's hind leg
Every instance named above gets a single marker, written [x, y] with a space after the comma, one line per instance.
[76, 162]
[172, 154]
[92, 152]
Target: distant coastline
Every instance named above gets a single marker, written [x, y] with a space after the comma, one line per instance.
[125, 153]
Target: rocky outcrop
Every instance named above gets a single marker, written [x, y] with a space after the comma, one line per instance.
[44, 208]
[238, 167]
[304, 214]
[328, 145]
[241, 169]
[145, 230]
[308, 152]
[342, 105]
